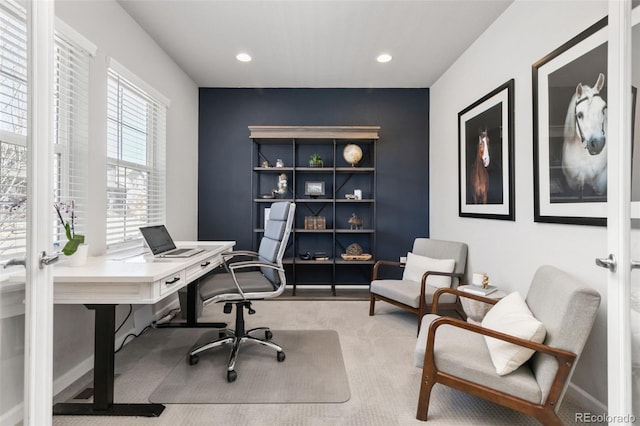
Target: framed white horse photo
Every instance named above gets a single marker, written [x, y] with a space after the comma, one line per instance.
[485, 156]
[569, 132]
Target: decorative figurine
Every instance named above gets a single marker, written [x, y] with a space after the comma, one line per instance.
[282, 185]
[354, 249]
[485, 281]
[355, 222]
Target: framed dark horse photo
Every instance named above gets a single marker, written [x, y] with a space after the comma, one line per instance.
[485, 156]
[569, 133]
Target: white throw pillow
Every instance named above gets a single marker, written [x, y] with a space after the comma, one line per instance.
[417, 265]
[512, 316]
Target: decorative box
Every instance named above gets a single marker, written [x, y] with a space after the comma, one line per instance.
[315, 222]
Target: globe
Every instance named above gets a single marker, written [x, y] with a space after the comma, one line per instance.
[352, 154]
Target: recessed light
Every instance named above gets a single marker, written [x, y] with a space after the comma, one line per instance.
[243, 57]
[385, 57]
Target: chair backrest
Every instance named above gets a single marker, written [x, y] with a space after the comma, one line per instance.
[568, 309]
[442, 249]
[275, 238]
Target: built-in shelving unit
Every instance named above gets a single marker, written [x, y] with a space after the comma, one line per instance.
[290, 147]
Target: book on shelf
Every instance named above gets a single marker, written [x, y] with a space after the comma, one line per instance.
[479, 290]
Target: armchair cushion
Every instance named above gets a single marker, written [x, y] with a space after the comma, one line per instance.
[511, 316]
[417, 265]
[403, 291]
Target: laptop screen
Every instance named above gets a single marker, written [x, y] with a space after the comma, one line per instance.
[157, 238]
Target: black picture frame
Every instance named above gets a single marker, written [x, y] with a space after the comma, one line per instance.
[563, 192]
[314, 189]
[486, 189]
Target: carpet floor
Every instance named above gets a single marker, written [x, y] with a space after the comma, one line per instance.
[378, 358]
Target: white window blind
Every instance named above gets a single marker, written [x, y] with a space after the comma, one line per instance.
[13, 130]
[71, 107]
[135, 160]
[71, 128]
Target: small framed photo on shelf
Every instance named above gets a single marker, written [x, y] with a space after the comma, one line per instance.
[314, 189]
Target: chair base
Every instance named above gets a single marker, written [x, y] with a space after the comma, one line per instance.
[236, 338]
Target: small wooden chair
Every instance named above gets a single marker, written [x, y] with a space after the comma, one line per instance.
[417, 296]
[566, 308]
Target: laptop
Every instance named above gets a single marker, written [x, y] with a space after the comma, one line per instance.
[161, 244]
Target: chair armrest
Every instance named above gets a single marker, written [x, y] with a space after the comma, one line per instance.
[423, 284]
[445, 274]
[459, 293]
[379, 263]
[565, 359]
[231, 254]
[253, 264]
[244, 265]
[538, 347]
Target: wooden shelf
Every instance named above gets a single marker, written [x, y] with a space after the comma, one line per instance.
[294, 145]
[314, 132]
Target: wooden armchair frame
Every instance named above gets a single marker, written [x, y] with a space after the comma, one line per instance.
[544, 412]
[423, 307]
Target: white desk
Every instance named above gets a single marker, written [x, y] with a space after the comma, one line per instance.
[107, 281]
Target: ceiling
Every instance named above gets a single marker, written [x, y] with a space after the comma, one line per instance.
[314, 43]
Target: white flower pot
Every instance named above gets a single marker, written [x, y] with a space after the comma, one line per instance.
[79, 257]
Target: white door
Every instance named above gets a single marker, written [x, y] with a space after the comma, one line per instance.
[634, 308]
[26, 295]
[623, 287]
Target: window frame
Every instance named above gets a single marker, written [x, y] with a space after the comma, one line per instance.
[124, 91]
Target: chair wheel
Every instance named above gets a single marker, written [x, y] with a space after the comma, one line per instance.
[281, 356]
[268, 334]
[231, 376]
[193, 359]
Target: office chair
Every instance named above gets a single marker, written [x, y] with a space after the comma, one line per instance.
[262, 277]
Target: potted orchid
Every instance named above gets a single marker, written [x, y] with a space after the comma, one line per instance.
[74, 240]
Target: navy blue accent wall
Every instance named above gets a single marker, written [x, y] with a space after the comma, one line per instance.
[224, 169]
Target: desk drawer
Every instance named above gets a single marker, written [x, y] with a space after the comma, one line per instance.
[202, 267]
[172, 282]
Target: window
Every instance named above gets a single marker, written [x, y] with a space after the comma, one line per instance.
[135, 158]
[13, 130]
[70, 105]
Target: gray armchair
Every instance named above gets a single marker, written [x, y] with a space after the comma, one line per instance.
[565, 307]
[416, 295]
[262, 277]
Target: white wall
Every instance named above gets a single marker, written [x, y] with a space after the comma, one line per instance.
[510, 252]
[117, 35]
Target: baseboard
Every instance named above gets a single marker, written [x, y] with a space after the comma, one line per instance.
[13, 416]
[585, 400]
[68, 378]
[166, 309]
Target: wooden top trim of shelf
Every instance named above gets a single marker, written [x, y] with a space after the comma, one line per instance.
[314, 132]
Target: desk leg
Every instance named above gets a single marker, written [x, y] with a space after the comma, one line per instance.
[192, 312]
[103, 375]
